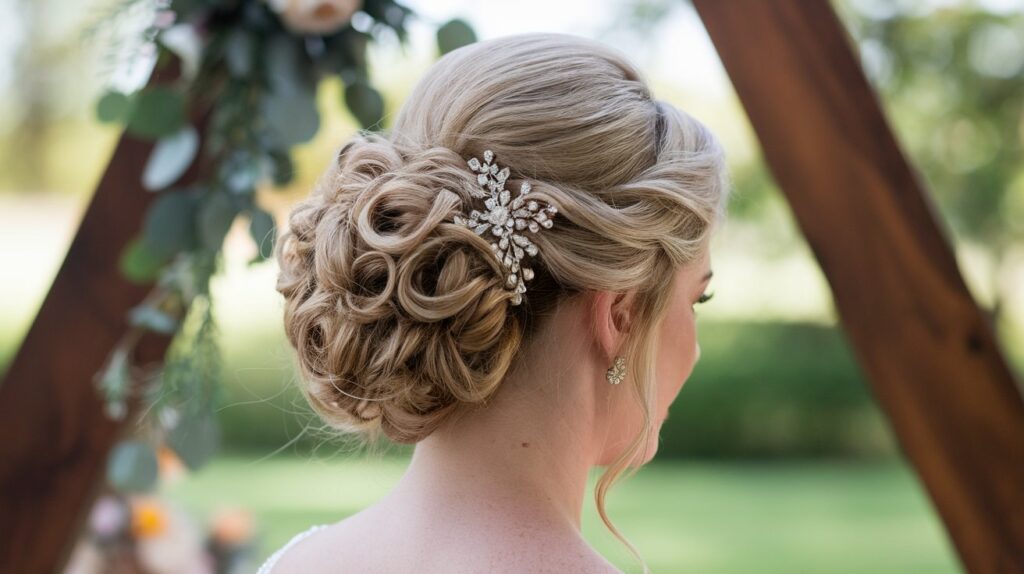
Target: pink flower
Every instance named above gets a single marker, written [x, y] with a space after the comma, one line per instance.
[108, 516]
[314, 16]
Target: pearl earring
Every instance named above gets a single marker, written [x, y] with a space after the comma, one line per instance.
[617, 372]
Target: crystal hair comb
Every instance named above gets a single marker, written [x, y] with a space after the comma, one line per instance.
[506, 218]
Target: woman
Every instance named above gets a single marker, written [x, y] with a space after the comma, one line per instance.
[514, 365]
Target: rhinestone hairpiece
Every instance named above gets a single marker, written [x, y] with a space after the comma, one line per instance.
[506, 218]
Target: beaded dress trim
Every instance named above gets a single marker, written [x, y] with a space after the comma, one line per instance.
[272, 560]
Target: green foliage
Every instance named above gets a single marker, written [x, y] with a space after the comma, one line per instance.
[169, 224]
[952, 80]
[115, 381]
[759, 390]
[455, 34]
[388, 14]
[156, 112]
[113, 106]
[189, 382]
[170, 158]
[195, 438]
[188, 389]
[153, 319]
[287, 70]
[365, 103]
[264, 233]
[240, 52]
[132, 467]
[216, 214]
[774, 389]
[292, 117]
[139, 263]
[241, 172]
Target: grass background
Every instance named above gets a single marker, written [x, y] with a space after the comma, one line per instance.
[721, 517]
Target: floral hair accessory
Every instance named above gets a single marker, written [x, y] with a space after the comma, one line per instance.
[507, 218]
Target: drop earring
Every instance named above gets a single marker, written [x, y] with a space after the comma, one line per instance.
[617, 372]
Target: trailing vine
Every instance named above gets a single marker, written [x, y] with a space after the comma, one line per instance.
[252, 67]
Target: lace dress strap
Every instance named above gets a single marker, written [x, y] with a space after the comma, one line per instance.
[272, 560]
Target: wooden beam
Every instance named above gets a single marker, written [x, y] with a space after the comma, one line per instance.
[930, 354]
[55, 436]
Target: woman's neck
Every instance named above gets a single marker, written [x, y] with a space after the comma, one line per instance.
[526, 456]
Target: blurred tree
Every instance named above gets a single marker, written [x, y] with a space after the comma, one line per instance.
[953, 81]
[32, 102]
[50, 49]
[951, 77]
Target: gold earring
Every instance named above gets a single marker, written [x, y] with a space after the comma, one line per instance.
[617, 372]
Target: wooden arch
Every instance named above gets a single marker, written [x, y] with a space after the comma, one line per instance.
[931, 357]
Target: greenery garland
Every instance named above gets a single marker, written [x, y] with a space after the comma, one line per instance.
[255, 66]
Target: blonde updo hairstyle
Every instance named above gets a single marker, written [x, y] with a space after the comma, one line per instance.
[400, 317]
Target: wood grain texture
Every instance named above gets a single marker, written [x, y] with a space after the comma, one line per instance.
[929, 352]
[55, 435]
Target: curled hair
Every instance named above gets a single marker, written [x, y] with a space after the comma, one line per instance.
[397, 314]
[400, 318]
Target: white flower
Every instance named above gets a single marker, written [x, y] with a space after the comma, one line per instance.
[184, 41]
[314, 16]
[505, 217]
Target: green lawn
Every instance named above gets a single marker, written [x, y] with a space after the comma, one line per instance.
[684, 517]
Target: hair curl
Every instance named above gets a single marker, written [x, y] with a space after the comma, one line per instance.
[397, 313]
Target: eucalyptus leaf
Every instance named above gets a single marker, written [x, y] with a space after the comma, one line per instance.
[282, 169]
[139, 264]
[365, 103]
[171, 156]
[285, 62]
[336, 56]
[115, 379]
[169, 226]
[114, 106]
[158, 111]
[153, 319]
[132, 467]
[315, 47]
[196, 437]
[184, 9]
[263, 231]
[293, 118]
[185, 42]
[395, 16]
[356, 43]
[238, 53]
[240, 172]
[257, 16]
[244, 179]
[455, 34]
[216, 215]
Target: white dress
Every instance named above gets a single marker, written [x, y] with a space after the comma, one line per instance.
[269, 564]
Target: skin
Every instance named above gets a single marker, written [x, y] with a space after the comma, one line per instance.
[502, 488]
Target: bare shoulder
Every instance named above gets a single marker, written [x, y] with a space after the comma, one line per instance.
[307, 554]
[356, 545]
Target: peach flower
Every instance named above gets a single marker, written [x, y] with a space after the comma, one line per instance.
[314, 16]
[232, 526]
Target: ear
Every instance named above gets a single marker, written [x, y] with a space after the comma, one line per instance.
[611, 318]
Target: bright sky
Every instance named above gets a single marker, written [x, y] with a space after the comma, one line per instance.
[678, 50]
